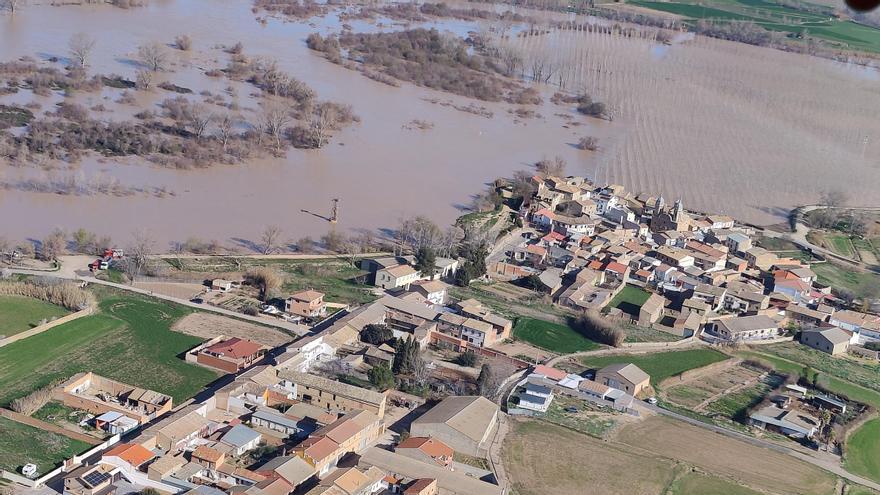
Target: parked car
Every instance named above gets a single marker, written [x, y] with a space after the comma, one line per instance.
[651, 400]
[197, 300]
[571, 410]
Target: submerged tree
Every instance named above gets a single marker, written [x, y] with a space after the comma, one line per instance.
[80, 47]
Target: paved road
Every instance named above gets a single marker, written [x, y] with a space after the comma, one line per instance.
[66, 274]
[507, 243]
[828, 465]
[799, 236]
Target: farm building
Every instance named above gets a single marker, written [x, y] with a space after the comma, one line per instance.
[624, 376]
[464, 423]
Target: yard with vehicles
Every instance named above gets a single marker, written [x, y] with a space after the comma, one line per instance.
[129, 335]
[551, 336]
[863, 450]
[21, 444]
[660, 365]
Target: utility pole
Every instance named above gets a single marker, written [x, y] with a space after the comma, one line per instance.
[334, 210]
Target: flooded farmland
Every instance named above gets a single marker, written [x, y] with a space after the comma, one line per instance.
[382, 168]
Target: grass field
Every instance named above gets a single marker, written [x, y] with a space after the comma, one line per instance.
[775, 17]
[635, 333]
[863, 450]
[129, 340]
[696, 483]
[18, 313]
[20, 444]
[661, 365]
[840, 244]
[629, 300]
[553, 337]
[841, 277]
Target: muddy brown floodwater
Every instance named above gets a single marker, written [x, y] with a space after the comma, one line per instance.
[380, 171]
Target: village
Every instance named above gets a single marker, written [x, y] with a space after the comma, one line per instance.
[597, 310]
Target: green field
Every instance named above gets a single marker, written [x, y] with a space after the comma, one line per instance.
[18, 313]
[694, 483]
[840, 277]
[21, 444]
[551, 336]
[661, 365]
[129, 340]
[629, 300]
[787, 19]
[635, 333]
[863, 450]
[840, 244]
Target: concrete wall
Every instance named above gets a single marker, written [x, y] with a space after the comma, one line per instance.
[42, 328]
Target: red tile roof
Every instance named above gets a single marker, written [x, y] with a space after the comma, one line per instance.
[551, 373]
[615, 267]
[431, 446]
[132, 453]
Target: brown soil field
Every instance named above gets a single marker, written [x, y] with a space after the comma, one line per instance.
[692, 392]
[208, 326]
[756, 466]
[180, 291]
[728, 127]
[533, 449]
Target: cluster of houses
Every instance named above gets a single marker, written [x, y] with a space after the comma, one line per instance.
[615, 386]
[275, 429]
[703, 275]
[279, 425]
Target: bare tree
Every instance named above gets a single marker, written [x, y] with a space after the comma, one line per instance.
[492, 377]
[323, 122]
[138, 252]
[80, 47]
[153, 55]
[834, 198]
[183, 43]
[11, 5]
[265, 279]
[52, 246]
[269, 239]
[198, 118]
[275, 120]
[143, 80]
[226, 128]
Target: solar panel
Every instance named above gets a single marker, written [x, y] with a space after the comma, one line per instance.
[95, 478]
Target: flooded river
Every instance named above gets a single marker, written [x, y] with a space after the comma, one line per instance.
[379, 170]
